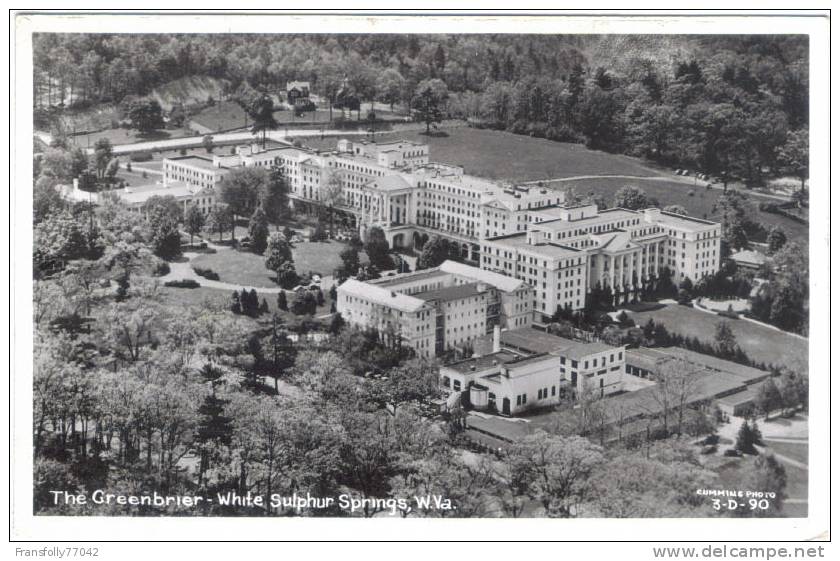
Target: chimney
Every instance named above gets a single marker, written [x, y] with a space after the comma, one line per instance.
[497, 339]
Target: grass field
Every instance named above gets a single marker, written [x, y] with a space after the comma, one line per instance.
[237, 267]
[761, 343]
[179, 297]
[242, 267]
[319, 257]
[795, 450]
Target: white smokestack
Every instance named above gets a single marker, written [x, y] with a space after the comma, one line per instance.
[497, 339]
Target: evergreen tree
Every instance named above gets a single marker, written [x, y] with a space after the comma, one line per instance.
[214, 427]
[282, 304]
[258, 231]
[235, 304]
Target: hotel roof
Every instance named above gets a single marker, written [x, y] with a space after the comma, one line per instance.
[379, 295]
[535, 341]
[548, 249]
[478, 364]
[392, 182]
[449, 293]
[502, 282]
[196, 161]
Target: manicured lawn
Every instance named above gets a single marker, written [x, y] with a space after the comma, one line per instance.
[222, 116]
[242, 267]
[793, 450]
[319, 257]
[762, 344]
[238, 267]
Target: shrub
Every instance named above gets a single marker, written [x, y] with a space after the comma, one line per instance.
[208, 274]
[710, 449]
[141, 157]
[183, 283]
[160, 268]
[732, 453]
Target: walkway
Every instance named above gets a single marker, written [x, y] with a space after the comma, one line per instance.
[669, 178]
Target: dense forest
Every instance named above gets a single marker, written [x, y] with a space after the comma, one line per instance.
[734, 106]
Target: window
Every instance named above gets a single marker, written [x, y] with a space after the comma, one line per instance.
[456, 385]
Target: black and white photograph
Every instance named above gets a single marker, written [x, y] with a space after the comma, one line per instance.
[457, 272]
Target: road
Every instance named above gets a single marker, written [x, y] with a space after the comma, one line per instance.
[668, 178]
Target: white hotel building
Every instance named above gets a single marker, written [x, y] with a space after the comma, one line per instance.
[522, 232]
[567, 252]
[439, 309]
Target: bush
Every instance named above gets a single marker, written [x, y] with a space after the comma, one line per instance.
[208, 274]
[710, 449]
[183, 283]
[729, 314]
[160, 268]
[141, 157]
[711, 439]
[732, 453]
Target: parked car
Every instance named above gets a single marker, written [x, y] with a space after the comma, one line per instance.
[678, 172]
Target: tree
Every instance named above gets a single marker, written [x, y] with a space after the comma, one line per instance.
[725, 341]
[166, 238]
[746, 439]
[732, 207]
[193, 221]
[435, 252]
[166, 203]
[304, 303]
[258, 231]
[376, 248]
[207, 142]
[281, 301]
[262, 112]
[794, 154]
[277, 254]
[350, 262]
[676, 209]
[242, 188]
[776, 238]
[632, 198]
[146, 115]
[220, 220]
[214, 426]
[554, 470]
[331, 194]
[427, 107]
[769, 398]
[103, 153]
[390, 87]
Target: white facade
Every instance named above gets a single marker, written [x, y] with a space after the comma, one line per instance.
[567, 252]
[456, 302]
[510, 382]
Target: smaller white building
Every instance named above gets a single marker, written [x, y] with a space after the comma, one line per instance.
[513, 379]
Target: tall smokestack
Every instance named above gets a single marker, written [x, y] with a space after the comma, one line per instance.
[497, 339]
